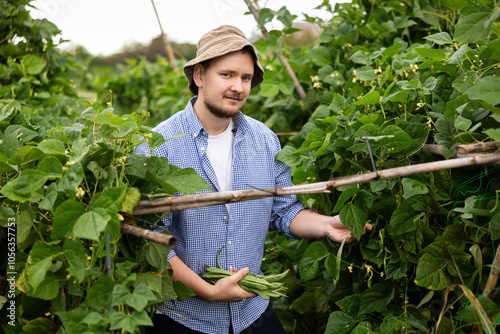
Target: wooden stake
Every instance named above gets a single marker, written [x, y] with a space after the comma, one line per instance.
[168, 47]
[160, 238]
[176, 203]
[477, 147]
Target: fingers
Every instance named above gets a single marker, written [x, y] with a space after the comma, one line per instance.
[240, 274]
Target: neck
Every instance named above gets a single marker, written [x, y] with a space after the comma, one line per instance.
[213, 124]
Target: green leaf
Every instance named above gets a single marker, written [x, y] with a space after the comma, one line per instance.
[493, 134]
[156, 255]
[456, 58]
[100, 295]
[187, 180]
[72, 320]
[430, 273]
[486, 89]
[436, 54]
[344, 196]
[376, 299]
[402, 219]
[365, 73]
[156, 140]
[269, 89]
[308, 268]
[37, 271]
[10, 144]
[474, 23]
[33, 64]
[396, 139]
[67, 213]
[317, 250]
[265, 15]
[354, 218]
[140, 298]
[90, 224]
[77, 258]
[120, 295]
[153, 281]
[24, 224]
[51, 167]
[413, 187]
[5, 214]
[286, 155]
[137, 165]
[350, 304]
[29, 181]
[128, 322]
[339, 323]
[131, 200]
[362, 328]
[8, 191]
[52, 146]
[319, 55]
[182, 291]
[440, 38]
[48, 289]
[462, 123]
[370, 98]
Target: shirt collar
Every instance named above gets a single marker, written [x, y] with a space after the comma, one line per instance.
[194, 125]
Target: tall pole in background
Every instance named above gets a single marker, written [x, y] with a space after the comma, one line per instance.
[168, 47]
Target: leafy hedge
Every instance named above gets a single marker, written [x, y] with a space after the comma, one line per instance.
[406, 74]
[68, 179]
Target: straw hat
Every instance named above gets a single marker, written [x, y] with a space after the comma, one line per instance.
[219, 42]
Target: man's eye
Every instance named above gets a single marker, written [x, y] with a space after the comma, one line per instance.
[247, 78]
[225, 75]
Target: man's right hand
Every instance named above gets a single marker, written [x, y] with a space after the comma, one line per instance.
[227, 289]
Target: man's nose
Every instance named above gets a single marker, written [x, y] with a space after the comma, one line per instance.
[237, 85]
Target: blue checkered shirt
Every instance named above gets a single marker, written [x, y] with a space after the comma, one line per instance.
[243, 229]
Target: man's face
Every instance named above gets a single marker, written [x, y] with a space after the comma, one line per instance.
[225, 85]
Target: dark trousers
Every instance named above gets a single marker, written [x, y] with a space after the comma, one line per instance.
[267, 323]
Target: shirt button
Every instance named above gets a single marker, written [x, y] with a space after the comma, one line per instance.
[225, 217]
[229, 242]
[203, 149]
[204, 133]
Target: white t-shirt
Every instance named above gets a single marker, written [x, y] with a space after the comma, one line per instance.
[220, 153]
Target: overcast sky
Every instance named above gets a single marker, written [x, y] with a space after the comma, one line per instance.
[105, 26]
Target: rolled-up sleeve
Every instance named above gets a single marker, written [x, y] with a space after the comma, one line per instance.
[284, 208]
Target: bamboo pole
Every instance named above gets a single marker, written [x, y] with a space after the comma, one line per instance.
[160, 238]
[300, 90]
[464, 150]
[168, 47]
[176, 203]
[477, 147]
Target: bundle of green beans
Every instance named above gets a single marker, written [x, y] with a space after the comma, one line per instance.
[264, 285]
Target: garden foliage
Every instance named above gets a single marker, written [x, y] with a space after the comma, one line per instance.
[405, 74]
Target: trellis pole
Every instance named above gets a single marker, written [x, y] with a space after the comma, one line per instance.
[168, 47]
[176, 203]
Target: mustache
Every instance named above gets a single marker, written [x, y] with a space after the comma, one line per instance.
[238, 97]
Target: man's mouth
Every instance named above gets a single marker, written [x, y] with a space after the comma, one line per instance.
[236, 98]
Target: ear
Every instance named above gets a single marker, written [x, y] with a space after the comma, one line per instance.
[198, 73]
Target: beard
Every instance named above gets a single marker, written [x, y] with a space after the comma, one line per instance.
[219, 111]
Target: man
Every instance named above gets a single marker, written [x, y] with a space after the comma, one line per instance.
[230, 151]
